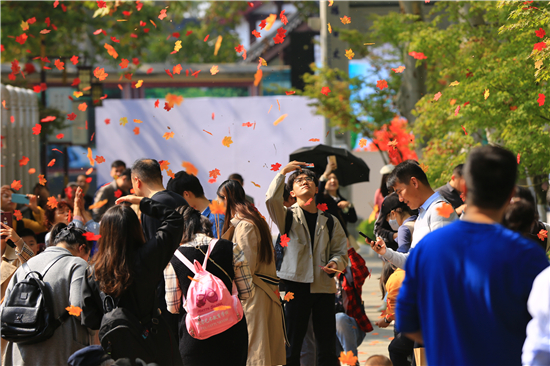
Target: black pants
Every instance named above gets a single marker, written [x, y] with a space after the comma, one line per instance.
[400, 349]
[297, 312]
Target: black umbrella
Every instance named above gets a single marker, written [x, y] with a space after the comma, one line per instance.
[351, 169]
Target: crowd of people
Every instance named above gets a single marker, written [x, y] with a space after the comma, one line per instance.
[143, 273]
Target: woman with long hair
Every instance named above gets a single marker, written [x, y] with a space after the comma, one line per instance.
[228, 263]
[263, 311]
[128, 269]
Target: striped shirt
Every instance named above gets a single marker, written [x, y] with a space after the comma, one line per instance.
[243, 276]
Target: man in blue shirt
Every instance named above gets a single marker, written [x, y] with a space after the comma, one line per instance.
[467, 284]
[189, 186]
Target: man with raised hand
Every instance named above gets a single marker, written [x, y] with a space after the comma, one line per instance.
[466, 285]
[314, 253]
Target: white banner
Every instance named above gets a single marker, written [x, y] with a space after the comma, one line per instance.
[251, 154]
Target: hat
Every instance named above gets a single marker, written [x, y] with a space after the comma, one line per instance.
[387, 169]
[391, 202]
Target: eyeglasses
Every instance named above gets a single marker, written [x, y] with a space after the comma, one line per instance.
[302, 180]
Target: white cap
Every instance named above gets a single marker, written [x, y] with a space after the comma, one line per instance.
[387, 169]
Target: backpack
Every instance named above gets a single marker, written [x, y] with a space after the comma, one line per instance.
[28, 314]
[280, 251]
[210, 308]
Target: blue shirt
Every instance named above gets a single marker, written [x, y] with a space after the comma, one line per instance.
[404, 236]
[213, 218]
[466, 289]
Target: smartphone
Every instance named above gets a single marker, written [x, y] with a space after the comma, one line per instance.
[6, 218]
[365, 236]
[20, 198]
[332, 159]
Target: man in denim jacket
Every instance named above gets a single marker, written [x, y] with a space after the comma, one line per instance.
[311, 259]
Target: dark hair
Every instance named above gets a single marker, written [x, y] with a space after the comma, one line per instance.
[148, 171]
[49, 213]
[490, 173]
[237, 177]
[121, 234]
[54, 231]
[306, 172]
[387, 271]
[525, 193]
[402, 207]
[286, 192]
[127, 173]
[237, 204]
[118, 163]
[193, 223]
[72, 236]
[378, 360]
[384, 190]
[185, 182]
[27, 232]
[520, 216]
[458, 170]
[404, 171]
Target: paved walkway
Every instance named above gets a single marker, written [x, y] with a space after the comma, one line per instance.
[377, 341]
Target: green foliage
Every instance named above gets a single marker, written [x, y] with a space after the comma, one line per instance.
[366, 227]
[58, 124]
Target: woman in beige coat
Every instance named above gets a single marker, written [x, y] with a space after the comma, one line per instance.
[263, 311]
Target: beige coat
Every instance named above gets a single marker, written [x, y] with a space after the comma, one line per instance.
[263, 311]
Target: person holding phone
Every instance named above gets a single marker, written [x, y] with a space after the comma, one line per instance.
[8, 205]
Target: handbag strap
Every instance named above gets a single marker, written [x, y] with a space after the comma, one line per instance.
[188, 263]
[54, 261]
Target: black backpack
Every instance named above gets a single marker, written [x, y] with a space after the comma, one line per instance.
[28, 313]
[280, 251]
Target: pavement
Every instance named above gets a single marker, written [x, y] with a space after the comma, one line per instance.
[377, 341]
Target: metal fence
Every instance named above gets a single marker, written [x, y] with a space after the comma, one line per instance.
[19, 115]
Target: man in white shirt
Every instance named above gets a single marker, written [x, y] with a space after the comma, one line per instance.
[411, 185]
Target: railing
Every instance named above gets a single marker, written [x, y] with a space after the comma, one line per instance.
[17, 137]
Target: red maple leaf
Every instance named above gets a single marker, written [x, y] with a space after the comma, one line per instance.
[51, 163]
[157, 103]
[418, 55]
[123, 63]
[543, 234]
[21, 39]
[322, 206]
[169, 73]
[76, 81]
[59, 64]
[284, 240]
[519, 156]
[23, 161]
[167, 107]
[36, 129]
[118, 193]
[382, 84]
[247, 124]
[71, 116]
[539, 46]
[18, 215]
[239, 49]
[59, 136]
[540, 33]
[256, 33]
[541, 99]
[101, 4]
[214, 173]
[91, 236]
[99, 159]
[74, 59]
[275, 167]
[284, 20]
[325, 90]
[263, 24]
[16, 184]
[162, 14]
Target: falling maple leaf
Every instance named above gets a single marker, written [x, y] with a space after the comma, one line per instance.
[217, 45]
[71, 116]
[173, 99]
[214, 173]
[139, 83]
[280, 37]
[111, 50]
[345, 20]
[258, 77]
[190, 168]
[424, 167]
[464, 129]
[227, 141]
[322, 206]
[74, 310]
[136, 131]
[18, 215]
[255, 184]
[486, 94]
[123, 121]
[24, 160]
[118, 193]
[52, 202]
[457, 110]
[167, 106]
[99, 159]
[382, 84]
[268, 22]
[329, 28]
[540, 33]
[16, 184]
[349, 54]
[325, 90]
[162, 14]
[170, 174]
[36, 129]
[454, 83]
[362, 142]
[99, 204]
[513, 108]
[32, 171]
[280, 119]
[275, 167]
[348, 358]
[82, 107]
[177, 69]
[124, 63]
[399, 69]
[541, 99]
[41, 179]
[177, 46]
[418, 55]
[100, 73]
[539, 46]
[239, 49]
[168, 135]
[157, 103]
[289, 295]
[214, 70]
[217, 208]
[59, 64]
[78, 94]
[543, 234]
[314, 140]
[256, 34]
[445, 210]
[90, 156]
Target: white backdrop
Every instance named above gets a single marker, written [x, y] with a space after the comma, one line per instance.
[251, 154]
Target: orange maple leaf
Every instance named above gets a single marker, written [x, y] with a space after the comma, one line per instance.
[217, 208]
[348, 358]
[16, 184]
[24, 160]
[227, 141]
[190, 168]
[168, 135]
[445, 210]
[99, 159]
[89, 171]
[284, 240]
[172, 99]
[214, 173]
[41, 179]
[214, 70]
[123, 63]
[32, 171]
[177, 69]
[164, 164]
[258, 77]
[90, 157]
[362, 142]
[111, 50]
[424, 167]
[82, 107]
[345, 20]
[543, 234]
[399, 69]
[223, 307]
[100, 73]
[18, 215]
[73, 310]
[52, 202]
[289, 296]
[98, 204]
[59, 64]
[170, 173]
[382, 84]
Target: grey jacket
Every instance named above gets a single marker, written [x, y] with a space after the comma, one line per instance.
[300, 263]
[65, 278]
